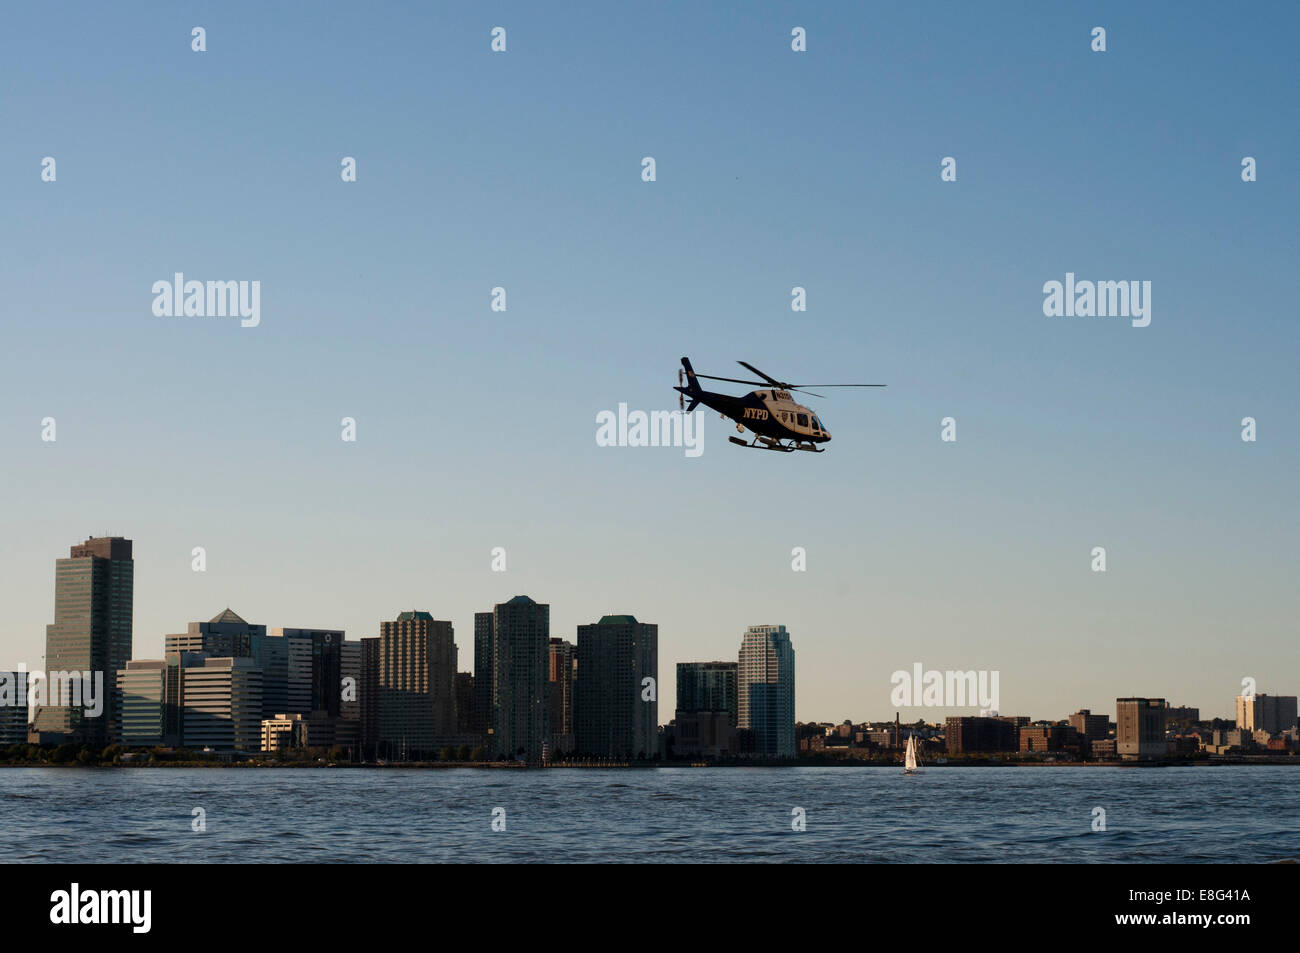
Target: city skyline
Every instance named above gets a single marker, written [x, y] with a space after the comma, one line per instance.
[228, 625]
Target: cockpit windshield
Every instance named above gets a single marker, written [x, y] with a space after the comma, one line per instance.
[817, 424]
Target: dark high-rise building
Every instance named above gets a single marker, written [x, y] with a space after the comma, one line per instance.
[484, 672]
[617, 714]
[707, 686]
[464, 704]
[368, 695]
[521, 684]
[315, 670]
[91, 634]
[417, 674]
[271, 654]
[13, 708]
[982, 735]
[1093, 727]
[350, 666]
[563, 668]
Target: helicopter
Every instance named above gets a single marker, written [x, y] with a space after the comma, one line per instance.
[777, 421]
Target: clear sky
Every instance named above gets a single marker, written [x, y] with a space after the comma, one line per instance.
[775, 169]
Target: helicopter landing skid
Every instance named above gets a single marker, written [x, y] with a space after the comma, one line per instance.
[776, 445]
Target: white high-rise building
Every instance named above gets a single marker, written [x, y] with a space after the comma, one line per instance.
[765, 690]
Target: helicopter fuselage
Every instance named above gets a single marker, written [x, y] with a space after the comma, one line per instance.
[769, 413]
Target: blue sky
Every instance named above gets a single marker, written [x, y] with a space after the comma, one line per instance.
[774, 169]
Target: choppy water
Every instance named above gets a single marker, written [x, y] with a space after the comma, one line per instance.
[961, 814]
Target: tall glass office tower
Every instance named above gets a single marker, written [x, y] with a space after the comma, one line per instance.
[91, 635]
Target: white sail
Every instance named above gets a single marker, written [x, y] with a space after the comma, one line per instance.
[909, 759]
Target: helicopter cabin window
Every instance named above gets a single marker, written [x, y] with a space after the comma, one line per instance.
[803, 420]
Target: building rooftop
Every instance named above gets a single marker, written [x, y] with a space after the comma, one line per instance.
[228, 616]
[415, 614]
[617, 620]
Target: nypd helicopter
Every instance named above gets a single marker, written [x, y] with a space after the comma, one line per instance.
[778, 423]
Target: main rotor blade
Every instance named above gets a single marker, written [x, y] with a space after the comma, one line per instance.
[798, 386]
[771, 380]
[808, 392]
[731, 379]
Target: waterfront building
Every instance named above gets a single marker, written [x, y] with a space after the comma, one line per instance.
[465, 706]
[562, 673]
[703, 734]
[521, 678]
[222, 703]
[484, 674]
[315, 669]
[91, 634]
[765, 690]
[1272, 713]
[1093, 727]
[142, 702]
[1049, 736]
[368, 697]
[617, 711]
[1140, 728]
[293, 731]
[981, 734]
[13, 707]
[417, 673]
[350, 669]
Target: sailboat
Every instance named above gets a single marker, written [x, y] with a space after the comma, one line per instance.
[910, 765]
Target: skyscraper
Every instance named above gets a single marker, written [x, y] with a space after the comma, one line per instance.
[562, 671]
[521, 685]
[417, 685]
[616, 713]
[368, 696]
[484, 673]
[465, 707]
[765, 690]
[350, 667]
[91, 633]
